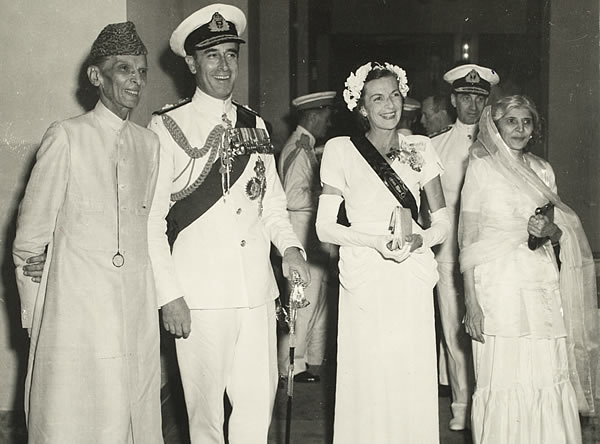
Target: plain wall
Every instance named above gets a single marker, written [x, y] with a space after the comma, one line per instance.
[574, 109]
[155, 20]
[274, 96]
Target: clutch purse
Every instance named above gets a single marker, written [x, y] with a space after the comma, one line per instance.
[548, 210]
[400, 226]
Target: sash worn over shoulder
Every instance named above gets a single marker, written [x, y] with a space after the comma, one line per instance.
[386, 173]
[187, 210]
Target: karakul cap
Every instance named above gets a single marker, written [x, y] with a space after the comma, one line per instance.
[118, 39]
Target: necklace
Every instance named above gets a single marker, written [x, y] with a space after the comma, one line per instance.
[118, 260]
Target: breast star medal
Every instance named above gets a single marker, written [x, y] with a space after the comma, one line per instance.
[257, 185]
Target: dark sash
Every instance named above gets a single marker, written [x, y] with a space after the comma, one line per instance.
[190, 208]
[386, 173]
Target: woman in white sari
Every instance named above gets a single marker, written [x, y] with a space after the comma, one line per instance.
[386, 364]
[533, 319]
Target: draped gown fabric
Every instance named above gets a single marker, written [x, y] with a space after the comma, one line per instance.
[94, 370]
[386, 364]
[524, 393]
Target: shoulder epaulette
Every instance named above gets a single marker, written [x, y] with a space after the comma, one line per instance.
[442, 131]
[245, 107]
[167, 108]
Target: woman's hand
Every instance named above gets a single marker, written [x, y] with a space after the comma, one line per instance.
[474, 318]
[383, 244]
[474, 321]
[541, 226]
[415, 240]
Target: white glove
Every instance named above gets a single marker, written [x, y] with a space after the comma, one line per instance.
[439, 230]
[330, 231]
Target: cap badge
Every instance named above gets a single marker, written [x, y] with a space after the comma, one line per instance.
[473, 77]
[218, 23]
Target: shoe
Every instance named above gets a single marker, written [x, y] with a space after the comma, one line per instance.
[305, 376]
[459, 421]
[457, 424]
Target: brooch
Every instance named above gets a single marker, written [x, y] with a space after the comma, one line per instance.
[407, 153]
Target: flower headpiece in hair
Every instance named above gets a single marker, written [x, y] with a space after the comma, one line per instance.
[356, 81]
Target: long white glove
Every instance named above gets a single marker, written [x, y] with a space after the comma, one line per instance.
[330, 231]
[439, 229]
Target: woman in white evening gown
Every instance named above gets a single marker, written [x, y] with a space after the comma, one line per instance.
[386, 364]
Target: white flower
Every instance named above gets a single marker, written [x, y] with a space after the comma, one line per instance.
[401, 76]
[354, 85]
[355, 82]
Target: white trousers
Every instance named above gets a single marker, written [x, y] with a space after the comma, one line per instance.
[311, 325]
[230, 351]
[457, 343]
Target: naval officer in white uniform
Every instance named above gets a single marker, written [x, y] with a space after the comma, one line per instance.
[227, 206]
[471, 86]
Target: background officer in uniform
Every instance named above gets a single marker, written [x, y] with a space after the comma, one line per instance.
[299, 172]
[471, 86]
[435, 115]
[227, 207]
[410, 115]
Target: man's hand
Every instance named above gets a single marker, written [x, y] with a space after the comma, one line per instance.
[35, 267]
[176, 318]
[293, 260]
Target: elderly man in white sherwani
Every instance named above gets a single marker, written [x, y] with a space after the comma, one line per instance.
[93, 373]
[217, 288]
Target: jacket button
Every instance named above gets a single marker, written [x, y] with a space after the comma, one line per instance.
[238, 211]
[243, 243]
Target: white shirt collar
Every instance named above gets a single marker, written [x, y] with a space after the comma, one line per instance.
[210, 104]
[467, 129]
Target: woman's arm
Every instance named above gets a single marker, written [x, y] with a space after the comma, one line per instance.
[474, 319]
[435, 194]
[440, 222]
[328, 230]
